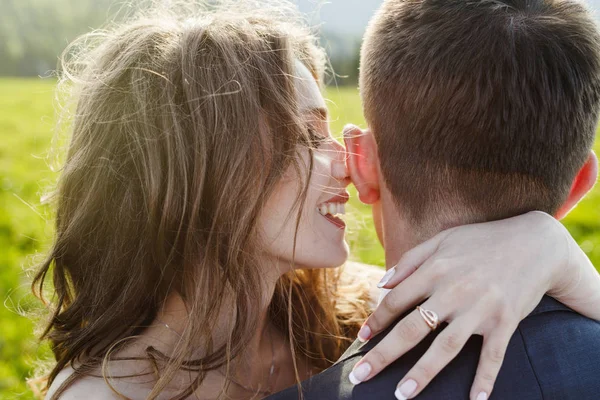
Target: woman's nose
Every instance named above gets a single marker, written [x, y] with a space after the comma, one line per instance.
[339, 168]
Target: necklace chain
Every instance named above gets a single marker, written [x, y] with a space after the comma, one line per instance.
[269, 389]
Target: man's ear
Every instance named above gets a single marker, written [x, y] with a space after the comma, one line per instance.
[583, 183]
[363, 162]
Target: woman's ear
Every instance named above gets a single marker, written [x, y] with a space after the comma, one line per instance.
[583, 183]
[363, 163]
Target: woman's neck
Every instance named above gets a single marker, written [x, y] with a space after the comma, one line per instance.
[174, 316]
[266, 360]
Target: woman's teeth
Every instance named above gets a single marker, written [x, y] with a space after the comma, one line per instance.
[332, 209]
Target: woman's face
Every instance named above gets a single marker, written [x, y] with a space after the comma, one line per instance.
[320, 240]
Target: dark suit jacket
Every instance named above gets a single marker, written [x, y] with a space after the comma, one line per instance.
[553, 355]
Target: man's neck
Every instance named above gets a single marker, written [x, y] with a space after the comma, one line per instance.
[397, 237]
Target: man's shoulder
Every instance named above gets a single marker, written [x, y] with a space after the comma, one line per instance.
[563, 348]
[539, 362]
[554, 326]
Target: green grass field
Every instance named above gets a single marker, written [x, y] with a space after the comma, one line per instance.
[26, 129]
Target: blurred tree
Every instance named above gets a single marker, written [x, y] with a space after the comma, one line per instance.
[344, 58]
[33, 33]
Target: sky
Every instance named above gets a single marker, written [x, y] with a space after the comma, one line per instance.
[341, 16]
[350, 17]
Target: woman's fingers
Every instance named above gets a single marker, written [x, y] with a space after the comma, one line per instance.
[442, 351]
[492, 356]
[403, 337]
[404, 296]
[412, 260]
[413, 329]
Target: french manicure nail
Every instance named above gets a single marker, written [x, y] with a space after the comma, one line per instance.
[482, 396]
[406, 389]
[360, 373]
[386, 278]
[365, 333]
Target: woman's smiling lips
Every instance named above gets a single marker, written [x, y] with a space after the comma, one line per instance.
[335, 206]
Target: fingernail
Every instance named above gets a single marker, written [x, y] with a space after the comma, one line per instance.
[360, 373]
[365, 333]
[482, 396]
[386, 278]
[406, 389]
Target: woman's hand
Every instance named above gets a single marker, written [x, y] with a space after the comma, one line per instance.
[480, 279]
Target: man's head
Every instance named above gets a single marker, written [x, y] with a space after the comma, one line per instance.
[480, 109]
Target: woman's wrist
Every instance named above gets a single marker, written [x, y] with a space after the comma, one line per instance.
[582, 291]
[574, 280]
[561, 264]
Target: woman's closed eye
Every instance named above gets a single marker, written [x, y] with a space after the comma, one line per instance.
[316, 139]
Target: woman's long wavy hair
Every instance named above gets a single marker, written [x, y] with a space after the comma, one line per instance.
[185, 119]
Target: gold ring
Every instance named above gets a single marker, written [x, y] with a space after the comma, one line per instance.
[431, 318]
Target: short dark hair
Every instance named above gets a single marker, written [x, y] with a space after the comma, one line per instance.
[490, 106]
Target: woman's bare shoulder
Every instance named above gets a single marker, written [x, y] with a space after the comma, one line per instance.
[89, 387]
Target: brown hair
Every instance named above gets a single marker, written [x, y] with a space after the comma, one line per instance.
[185, 120]
[487, 107]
